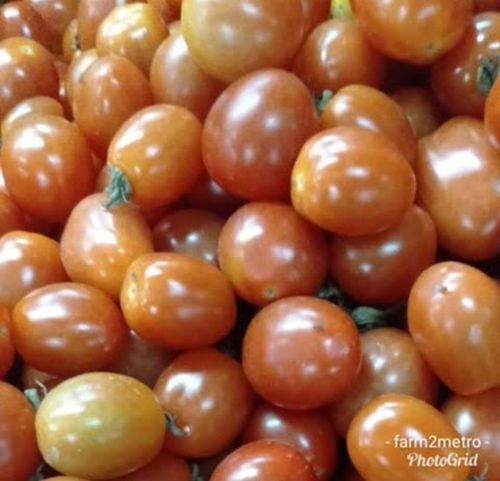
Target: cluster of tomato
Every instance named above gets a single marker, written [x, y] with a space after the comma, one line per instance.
[249, 240]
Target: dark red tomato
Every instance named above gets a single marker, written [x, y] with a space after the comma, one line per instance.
[28, 261]
[485, 5]
[461, 195]
[230, 38]
[414, 31]
[48, 166]
[380, 269]
[165, 467]
[76, 69]
[377, 432]
[454, 78]
[349, 474]
[110, 91]
[189, 231]
[269, 252]
[11, 218]
[20, 456]
[254, 132]
[27, 69]
[205, 393]
[478, 417]
[454, 309]
[170, 10]
[336, 54]
[67, 329]
[492, 114]
[264, 460]
[363, 106]
[391, 364]
[7, 351]
[352, 182]
[421, 109]
[315, 12]
[301, 353]
[176, 79]
[142, 360]
[177, 301]
[309, 432]
[32, 378]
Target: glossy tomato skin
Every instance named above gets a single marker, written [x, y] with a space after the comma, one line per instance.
[380, 269]
[352, 182]
[133, 31]
[492, 115]
[454, 308]
[7, 351]
[454, 77]
[336, 54]
[367, 107]
[84, 331]
[486, 5]
[76, 69]
[159, 150]
[414, 31]
[315, 12]
[106, 425]
[48, 166]
[391, 364]
[264, 460]
[164, 467]
[98, 244]
[269, 252]
[11, 217]
[208, 396]
[189, 231]
[20, 455]
[177, 80]
[229, 39]
[375, 453]
[27, 70]
[309, 432]
[477, 417]
[301, 353]
[254, 132]
[461, 197]
[177, 301]
[111, 90]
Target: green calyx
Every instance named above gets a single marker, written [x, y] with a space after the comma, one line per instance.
[36, 395]
[487, 73]
[321, 100]
[341, 9]
[196, 473]
[119, 189]
[172, 427]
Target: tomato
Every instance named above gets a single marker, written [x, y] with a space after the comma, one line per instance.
[309, 432]
[7, 351]
[301, 353]
[485, 5]
[170, 10]
[269, 252]
[133, 31]
[230, 38]
[48, 166]
[26, 70]
[177, 301]
[376, 433]
[164, 467]
[421, 109]
[98, 244]
[380, 269]
[254, 132]
[189, 231]
[207, 396]
[78, 66]
[477, 417]
[28, 261]
[454, 78]
[363, 106]
[492, 114]
[20, 456]
[315, 12]
[461, 196]
[70, 42]
[11, 218]
[391, 364]
[64, 478]
[99, 426]
[454, 309]
[414, 31]
[110, 91]
[264, 460]
[336, 54]
[351, 181]
[32, 378]
[176, 79]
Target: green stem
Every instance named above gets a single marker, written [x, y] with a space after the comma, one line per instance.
[341, 9]
[37, 475]
[321, 100]
[34, 396]
[172, 427]
[487, 73]
[330, 292]
[367, 318]
[196, 473]
[118, 189]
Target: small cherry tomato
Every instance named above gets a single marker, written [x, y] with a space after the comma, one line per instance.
[11, 218]
[7, 352]
[453, 316]
[301, 353]
[165, 467]
[492, 114]
[78, 66]
[207, 398]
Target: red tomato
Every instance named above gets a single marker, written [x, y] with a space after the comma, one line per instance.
[301, 353]
[315, 12]
[11, 218]
[7, 351]
[78, 66]
[164, 467]
[485, 5]
[455, 309]
[492, 114]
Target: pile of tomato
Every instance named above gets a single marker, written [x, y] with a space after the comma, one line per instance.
[250, 240]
